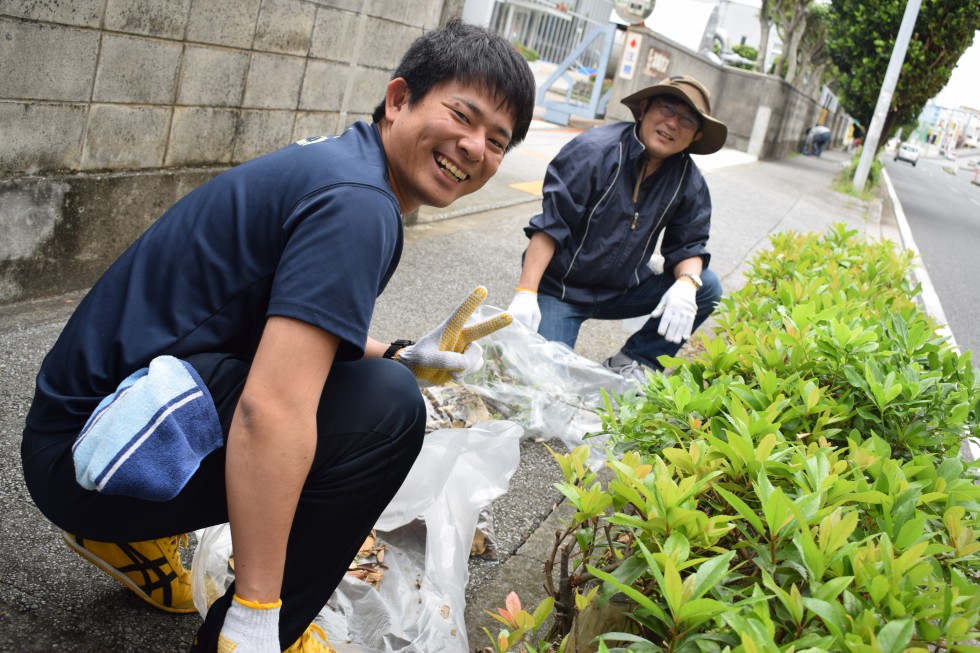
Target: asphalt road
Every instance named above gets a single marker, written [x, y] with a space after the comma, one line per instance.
[942, 208]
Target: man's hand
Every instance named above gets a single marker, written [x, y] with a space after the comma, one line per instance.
[524, 308]
[250, 627]
[678, 308]
[449, 351]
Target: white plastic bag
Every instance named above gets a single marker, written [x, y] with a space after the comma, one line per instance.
[428, 528]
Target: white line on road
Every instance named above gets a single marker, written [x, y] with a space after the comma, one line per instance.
[930, 299]
[955, 190]
[974, 201]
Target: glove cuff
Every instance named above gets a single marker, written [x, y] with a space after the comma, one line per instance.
[255, 605]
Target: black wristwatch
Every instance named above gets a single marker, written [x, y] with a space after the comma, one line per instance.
[396, 347]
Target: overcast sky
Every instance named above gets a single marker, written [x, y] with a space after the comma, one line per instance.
[963, 88]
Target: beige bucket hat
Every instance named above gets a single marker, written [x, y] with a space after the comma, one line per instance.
[691, 91]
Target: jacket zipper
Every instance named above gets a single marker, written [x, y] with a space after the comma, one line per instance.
[636, 194]
[659, 221]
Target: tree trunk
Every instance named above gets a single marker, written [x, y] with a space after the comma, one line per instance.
[813, 83]
[798, 27]
[764, 24]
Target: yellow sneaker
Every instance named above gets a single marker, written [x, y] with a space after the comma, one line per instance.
[313, 640]
[152, 569]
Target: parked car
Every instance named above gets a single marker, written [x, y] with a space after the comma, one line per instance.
[908, 153]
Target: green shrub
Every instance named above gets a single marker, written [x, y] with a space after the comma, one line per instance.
[795, 486]
[844, 177]
[746, 51]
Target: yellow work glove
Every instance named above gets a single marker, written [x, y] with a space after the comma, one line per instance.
[450, 351]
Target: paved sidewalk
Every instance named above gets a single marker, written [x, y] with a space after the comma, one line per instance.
[51, 600]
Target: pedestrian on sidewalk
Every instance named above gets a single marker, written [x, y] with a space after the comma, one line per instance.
[819, 137]
[221, 369]
[624, 228]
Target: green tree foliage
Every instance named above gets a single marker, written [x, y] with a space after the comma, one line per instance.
[904, 131]
[861, 36]
[746, 51]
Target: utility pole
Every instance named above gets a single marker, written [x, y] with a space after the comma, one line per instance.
[885, 96]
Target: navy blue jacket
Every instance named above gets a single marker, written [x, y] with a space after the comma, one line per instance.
[604, 240]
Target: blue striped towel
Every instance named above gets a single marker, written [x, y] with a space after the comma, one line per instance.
[147, 438]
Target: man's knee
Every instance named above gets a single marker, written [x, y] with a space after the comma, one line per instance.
[372, 395]
[397, 387]
[711, 290]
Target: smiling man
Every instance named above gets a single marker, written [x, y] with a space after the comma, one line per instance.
[449, 144]
[221, 369]
[624, 229]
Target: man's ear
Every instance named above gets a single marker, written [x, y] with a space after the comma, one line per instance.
[644, 105]
[396, 98]
[697, 136]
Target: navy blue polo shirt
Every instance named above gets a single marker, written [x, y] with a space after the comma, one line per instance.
[312, 232]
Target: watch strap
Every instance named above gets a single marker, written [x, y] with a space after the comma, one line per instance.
[396, 347]
[693, 277]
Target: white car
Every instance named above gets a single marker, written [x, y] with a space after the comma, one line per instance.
[908, 153]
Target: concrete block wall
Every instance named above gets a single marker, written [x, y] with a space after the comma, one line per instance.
[111, 110]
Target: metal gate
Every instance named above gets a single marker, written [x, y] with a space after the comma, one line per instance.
[574, 41]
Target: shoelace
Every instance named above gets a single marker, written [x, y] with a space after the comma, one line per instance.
[173, 548]
[634, 370]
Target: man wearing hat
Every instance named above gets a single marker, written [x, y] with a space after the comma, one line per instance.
[624, 228]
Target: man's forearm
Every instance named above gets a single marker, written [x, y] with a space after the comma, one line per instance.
[375, 348]
[271, 444]
[693, 265]
[268, 459]
[539, 253]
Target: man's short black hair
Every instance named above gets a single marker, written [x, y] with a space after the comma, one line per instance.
[472, 56]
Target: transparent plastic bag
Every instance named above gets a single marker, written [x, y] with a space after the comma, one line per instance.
[544, 386]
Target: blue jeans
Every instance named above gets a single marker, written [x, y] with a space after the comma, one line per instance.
[561, 321]
[819, 143]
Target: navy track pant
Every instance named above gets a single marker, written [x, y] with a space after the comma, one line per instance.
[370, 422]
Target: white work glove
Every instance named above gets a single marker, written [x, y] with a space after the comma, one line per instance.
[449, 351]
[678, 308]
[524, 308]
[250, 627]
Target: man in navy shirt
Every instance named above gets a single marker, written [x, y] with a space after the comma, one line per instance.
[258, 289]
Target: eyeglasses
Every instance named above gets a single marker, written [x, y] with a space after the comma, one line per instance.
[669, 109]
